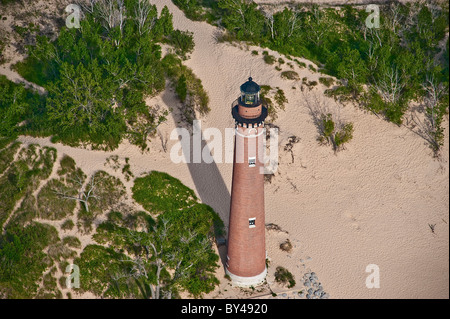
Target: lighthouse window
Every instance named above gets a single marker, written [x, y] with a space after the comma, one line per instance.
[249, 98]
[251, 223]
[252, 161]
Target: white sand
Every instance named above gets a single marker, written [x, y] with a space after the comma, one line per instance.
[369, 204]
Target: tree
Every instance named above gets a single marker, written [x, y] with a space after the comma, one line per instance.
[352, 68]
[113, 14]
[84, 99]
[286, 23]
[145, 16]
[243, 18]
[13, 105]
[332, 129]
[436, 106]
[174, 253]
[317, 25]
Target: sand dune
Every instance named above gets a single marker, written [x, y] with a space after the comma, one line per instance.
[369, 204]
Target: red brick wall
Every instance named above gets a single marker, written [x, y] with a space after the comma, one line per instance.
[246, 246]
[249, 112]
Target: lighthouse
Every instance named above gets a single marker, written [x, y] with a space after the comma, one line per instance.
[246, 255]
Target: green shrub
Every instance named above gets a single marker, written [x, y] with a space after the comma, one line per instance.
[196, 97]
[159, 192]
[280, 98]
[326, 81]
[284, 277]
[68, 224]
[269, 59]
[182, 41]
[22, 260]
[181, 88]
[290, 75]
[300, 64]
[335, 134]
[72, 241]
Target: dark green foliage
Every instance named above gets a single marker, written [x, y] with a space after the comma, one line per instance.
[269, 59]
[181, 88]
[336, 134]
[290, 75]
[16, 104]
[22, 260]
[159, 192]
[33, 164]
[97, 78]
[97, 268]
[284, 277]
[181, 235]
[327, 81]
[182, 41]
[188, 87]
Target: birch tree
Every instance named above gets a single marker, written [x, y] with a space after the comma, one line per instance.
[436, 106]
[113, 15]
[390, 84]
[145, 15]
[159, 266]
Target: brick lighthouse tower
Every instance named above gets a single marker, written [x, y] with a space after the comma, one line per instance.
[246, 257]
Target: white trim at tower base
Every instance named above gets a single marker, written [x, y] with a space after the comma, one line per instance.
[247, 282]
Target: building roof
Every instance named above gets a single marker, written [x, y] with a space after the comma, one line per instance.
[250, 86]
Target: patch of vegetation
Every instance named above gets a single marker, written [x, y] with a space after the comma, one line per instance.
[68, 224]
[71, 241]
[96, 93]
[126, 171]
[188, 87]
[286, 246]
[290, 75]
[22, 260]
[159, 192]
[158, 258]
[269, 59]
[57, 199]
[327, 81]
[336, 135]
[284, 277]
[182, 41]
[312, 68]
[33, 164]
[383, 69]
[98, 266]
[7, 153]
[16, 104]
[267, 93]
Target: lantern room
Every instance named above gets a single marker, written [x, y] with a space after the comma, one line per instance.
[250, 93]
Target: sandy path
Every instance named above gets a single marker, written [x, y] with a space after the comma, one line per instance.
[370, 204]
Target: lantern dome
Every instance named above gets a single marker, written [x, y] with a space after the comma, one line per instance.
[250, 93]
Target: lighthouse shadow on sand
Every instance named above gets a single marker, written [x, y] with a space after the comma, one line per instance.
[208, 181]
